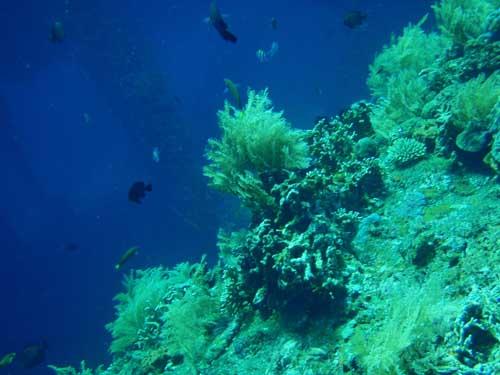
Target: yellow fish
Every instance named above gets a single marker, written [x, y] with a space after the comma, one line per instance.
[126, 256]
[233, 90]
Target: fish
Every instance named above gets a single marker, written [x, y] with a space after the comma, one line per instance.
[86, 118]
[7, 359]
[261, 55]
[274, 23]
[137, 191]
[126, 256]
[71, 247]
[177, 100]
[219, 24]
[233, 90]
[57, 32]
[265, 56]
[354, 18]
[156, 154]
[32, 355]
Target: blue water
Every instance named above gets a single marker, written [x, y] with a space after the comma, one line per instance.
[79, 121]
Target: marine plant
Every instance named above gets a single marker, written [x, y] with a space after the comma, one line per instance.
[414, 51]
[188, 324]
[463, 20]
[475, 101]
[411, 318]
[255, 139]
[396, 82]
[143, 292]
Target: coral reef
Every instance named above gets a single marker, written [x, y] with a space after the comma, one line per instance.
[373, 245]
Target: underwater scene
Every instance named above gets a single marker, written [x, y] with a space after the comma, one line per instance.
[285, 187]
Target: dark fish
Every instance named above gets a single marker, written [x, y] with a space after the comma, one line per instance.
[126, 256]
[32, 355]
[354, 18]
[71, 247]
[274, 23]
[220, 25]
[177, 100]
[137, 191]
[57, 32]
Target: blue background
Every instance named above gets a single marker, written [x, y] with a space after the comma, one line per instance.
[79, 120]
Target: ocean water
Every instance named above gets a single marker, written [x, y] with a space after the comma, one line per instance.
[81, 119]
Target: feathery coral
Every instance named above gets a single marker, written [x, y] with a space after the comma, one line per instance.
[254, 140]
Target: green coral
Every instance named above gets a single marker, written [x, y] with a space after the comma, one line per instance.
[255, 139]
[474, 112]
[166, 318]
[413, 51]
[411, 317]
[463, 20]
[475, 101]
[401, 111]
[189, 322]
[144, 290]
[397, 83]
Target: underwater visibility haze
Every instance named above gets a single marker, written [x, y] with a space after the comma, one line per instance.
[283, 187]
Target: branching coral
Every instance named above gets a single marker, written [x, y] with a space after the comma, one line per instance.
[295, 255]
[405, 151]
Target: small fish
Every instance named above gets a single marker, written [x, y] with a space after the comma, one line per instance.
[233, 90]
[33, 355]
[71, 247]
[156, 154]
[126, 256]
[7, 359]
[354, 18]
[137, 191]
[86, 118]
[177, 100]
[265, 56]
[57, 32]
[219, 24]
[261, 55]
[274, 23]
